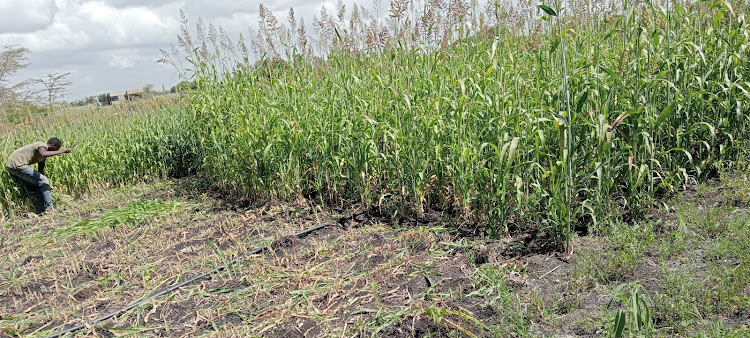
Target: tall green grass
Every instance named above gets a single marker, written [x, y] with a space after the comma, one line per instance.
[133, 147]
[658, 98]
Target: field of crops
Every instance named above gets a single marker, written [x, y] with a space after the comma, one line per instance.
[571, 121]
[581, 119]
[506, 128]
[115, 147]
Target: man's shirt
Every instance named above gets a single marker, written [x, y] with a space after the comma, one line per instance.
[26, 155]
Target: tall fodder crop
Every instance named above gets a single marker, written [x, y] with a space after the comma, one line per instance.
[135, 147]
[500, 127]
[36, 117]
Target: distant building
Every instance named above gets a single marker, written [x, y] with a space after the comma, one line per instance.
[116, 98]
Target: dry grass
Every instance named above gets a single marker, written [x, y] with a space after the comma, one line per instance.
[341, 278]
[358, 278]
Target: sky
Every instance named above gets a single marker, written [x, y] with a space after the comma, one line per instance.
[113, 45]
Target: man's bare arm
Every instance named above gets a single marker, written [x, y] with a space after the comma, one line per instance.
[41, 167]
[48, 153]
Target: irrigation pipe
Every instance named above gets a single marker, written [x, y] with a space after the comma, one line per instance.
[172, 288]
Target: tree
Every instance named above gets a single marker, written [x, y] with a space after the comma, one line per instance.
[12, 59]
[55, 84]
[84, 101]
[102, 98]
[183, 86]
[148, 90]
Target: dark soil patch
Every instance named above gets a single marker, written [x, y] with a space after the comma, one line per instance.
[417, 285]
[103, 333]
[373, 261]
[39, 287]
[177, 311]
[739, 317]
[298, 327]
[450, 276]
[182, 246]
[649, 275]
[104, 247]
[231, 319]
[282, 244]
[30, 259]
[85, 293]
[417, 326]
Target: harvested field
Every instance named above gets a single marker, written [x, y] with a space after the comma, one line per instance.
[360, 275]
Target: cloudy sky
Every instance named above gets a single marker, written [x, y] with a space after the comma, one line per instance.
[113, 45]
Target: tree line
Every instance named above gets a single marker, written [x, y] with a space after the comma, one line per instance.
[26, 93]
[36, 95]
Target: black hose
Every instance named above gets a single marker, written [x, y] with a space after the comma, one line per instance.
[183, 283]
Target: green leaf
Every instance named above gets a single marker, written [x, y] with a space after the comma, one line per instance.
[512, 151]
[619, 323]
[612, 74]
[555, 44]
[606, 37]
[338, 34]
[547, 10]
[663, 115]
[581, 101]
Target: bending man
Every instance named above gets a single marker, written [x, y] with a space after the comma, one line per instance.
[19, 165]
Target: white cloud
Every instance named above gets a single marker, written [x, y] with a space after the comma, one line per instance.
[121, 61]
[26, 16]
[131, 25]
[91, 25]
[58, 36]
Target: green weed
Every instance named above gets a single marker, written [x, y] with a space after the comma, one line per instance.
[130, 215]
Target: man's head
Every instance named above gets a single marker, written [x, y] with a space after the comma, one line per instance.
[54, 144]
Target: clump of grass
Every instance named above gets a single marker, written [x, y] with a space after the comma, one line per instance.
[736, 191]
[517, 317]
[130, 215]
[637, 315]
[620, 252]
